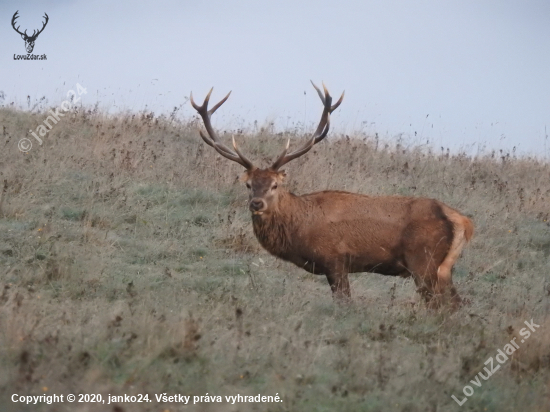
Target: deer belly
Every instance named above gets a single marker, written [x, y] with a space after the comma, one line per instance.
[389, 267]
[315, 266]
[386, 268]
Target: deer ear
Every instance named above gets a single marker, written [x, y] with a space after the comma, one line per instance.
[282, 174]
[244, 177]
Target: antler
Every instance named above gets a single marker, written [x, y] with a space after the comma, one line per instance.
[43, 26]
[214, 140]
[320, 133]
[15, 16]
[34, 33]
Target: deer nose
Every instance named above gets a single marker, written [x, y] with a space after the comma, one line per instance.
[256, 205]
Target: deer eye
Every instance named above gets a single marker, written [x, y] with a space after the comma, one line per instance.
[248, 186]
[274, 186]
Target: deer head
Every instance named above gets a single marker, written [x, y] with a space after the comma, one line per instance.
[264, 184]
[29, 40]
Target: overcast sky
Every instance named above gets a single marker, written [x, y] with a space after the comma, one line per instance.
[457, 73]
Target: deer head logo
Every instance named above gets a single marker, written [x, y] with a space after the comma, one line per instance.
[29, 40]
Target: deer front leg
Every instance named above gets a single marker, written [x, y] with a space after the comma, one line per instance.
[339, 285]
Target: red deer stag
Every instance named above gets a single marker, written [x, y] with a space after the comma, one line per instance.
[335, 233]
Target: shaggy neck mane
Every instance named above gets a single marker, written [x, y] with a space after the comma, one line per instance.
[275, 230]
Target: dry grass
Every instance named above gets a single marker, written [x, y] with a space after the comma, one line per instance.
[128, 266]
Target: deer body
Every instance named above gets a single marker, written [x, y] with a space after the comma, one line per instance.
[359, 233]
[335, 233]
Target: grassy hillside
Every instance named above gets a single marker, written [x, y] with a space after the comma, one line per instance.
[128, 266]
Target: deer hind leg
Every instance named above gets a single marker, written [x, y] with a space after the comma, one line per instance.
[424, 272]
[432, 288]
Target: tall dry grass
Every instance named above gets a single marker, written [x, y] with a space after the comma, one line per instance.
[129, 266]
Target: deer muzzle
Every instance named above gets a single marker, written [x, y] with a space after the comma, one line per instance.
[257, 206]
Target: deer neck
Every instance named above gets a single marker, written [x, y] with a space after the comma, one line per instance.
[275, 230]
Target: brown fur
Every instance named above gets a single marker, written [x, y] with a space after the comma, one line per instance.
[335, 233]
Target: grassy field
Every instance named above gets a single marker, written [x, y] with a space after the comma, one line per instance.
[129, 266]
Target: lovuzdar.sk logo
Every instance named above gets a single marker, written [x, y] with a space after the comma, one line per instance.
[29, 40]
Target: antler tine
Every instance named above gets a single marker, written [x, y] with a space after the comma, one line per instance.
[202, 108]
[239, 153]
[281, 157]
[196, 106]
[335, 105]
[319, 92]
[332, 108]
[216, 107]
[213, 139]
[221, 149]
[284, 158]
[320, 133]
[43, 24]
[13, 21]
[213, 144]
[322, 96]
